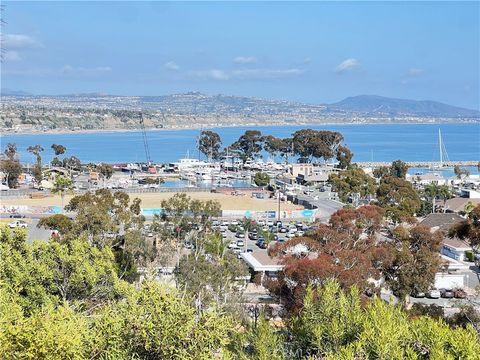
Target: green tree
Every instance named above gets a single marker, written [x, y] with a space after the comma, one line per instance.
[432, 191]
[11, 166]
[312, 144]
[352, 181]
[267, 344]
[58, 222]
[412, 260]
[469, 229]
[62, 186]
[334, 325]
[381, 171]
[209, 144]
[249, 144]
[399, 169]
[106, 170]
[344, 157]
[398, 198]
[37, 169]
[262, 179]
[58, 149]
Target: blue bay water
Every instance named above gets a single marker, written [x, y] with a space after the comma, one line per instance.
[371, 142]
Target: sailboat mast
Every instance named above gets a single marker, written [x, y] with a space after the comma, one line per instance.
[440, 147]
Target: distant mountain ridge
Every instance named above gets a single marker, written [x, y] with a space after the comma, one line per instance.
[196, 103]
[377, 105]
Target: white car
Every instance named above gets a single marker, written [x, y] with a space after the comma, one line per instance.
[15, 224]
[234, 222]
[299, 233]
[290, 235]
[240, 243]
[434, 294]
[232, 245]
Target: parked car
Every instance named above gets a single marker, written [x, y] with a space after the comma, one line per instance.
[434, 294]
[290, 235]
[240, 243]
[249, 250]
[446, 293]
[261, 244]
[239, 234]
[299, 233]
[460, 294]
[17, 216]
[253, 236]
[283, 230]
[232, 245]
[418, 294]
[18, 223]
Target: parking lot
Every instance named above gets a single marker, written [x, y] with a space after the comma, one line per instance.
[234, 233]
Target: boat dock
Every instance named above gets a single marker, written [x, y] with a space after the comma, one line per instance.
[419, 164]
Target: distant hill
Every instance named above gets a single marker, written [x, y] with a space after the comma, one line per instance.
[9, 92]
[372, 105]
[195, 103]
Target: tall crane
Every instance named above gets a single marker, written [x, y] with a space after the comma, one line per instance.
[145, 141]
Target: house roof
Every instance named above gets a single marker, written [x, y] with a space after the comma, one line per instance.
[441, 221]
[260, 261]
[457, 204]
[456, 243]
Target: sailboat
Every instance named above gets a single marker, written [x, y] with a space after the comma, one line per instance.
[443, 153]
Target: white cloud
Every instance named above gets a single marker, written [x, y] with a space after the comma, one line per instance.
[307, 60]
[19, 41]
[213, 74]
[347, 65]
[266, 73]
[247, 74]
[82, 71]
[12, 56]
[171, 65]
[245, 60]
[415, 72]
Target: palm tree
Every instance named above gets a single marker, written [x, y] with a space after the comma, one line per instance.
[444, 193]
[432, 190]
[61, 186]
[248, 225]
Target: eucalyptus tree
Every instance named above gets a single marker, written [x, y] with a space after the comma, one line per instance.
[37, 169]
[209, 144]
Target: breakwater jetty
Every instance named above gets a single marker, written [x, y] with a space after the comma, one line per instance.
[420, 164]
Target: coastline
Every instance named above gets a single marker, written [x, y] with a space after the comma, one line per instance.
[3, 131]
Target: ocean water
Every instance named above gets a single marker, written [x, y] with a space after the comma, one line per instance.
[372, 142]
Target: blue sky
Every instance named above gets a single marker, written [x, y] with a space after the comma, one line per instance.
[316, 52]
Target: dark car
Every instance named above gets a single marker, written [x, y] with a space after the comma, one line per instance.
[447, 293]
[261, 244]
[249, 250]
[17, 216]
